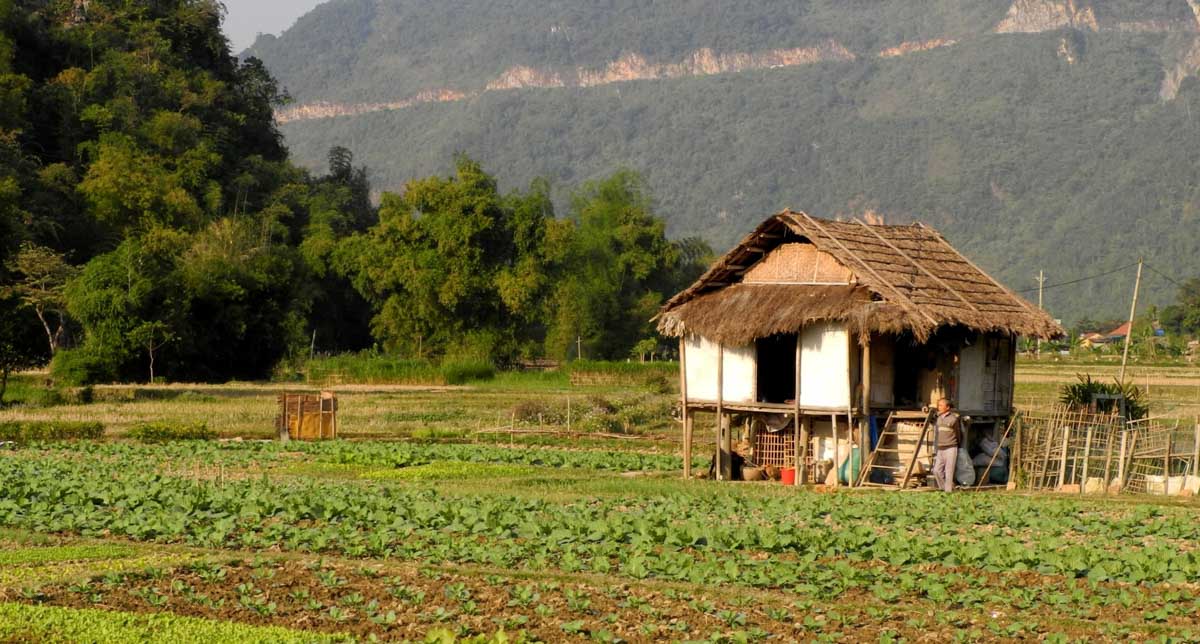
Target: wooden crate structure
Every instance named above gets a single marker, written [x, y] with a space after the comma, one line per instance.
[307, 417]
[777, 449]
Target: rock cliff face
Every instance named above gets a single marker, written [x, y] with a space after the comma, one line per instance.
[906, 48]
[1023, 16]
[630, 67]
[1187, 65]
[1032, 16]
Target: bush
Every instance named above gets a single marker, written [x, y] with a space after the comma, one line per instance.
[163, 432]
[1079, 396]
[458, 373]
[80, 366]
[27, 431]
[658, 377]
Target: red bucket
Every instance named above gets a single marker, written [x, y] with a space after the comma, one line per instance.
[787, 476]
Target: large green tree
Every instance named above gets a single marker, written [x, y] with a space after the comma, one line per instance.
[453, 267]
[1183, 317]
[620, 269]
[137, 147]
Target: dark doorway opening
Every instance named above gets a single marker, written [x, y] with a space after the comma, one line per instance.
[776, 362]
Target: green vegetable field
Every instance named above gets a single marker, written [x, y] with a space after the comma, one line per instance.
[255, 541]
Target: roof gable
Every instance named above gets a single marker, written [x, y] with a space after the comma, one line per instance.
[798, 262]
[923, 281]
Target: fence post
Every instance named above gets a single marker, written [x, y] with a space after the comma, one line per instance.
[1196, 450]
[1062, 464]
[1121, 462]
[1087, 455]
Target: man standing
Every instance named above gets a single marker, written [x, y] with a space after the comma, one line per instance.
[949, 437]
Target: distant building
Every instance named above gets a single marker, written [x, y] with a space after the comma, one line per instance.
[1118, 333]
[1092, 340]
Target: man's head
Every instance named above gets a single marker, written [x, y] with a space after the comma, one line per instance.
[943, 405]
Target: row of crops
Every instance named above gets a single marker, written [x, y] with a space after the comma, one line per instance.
[381, 454]
[774, 542]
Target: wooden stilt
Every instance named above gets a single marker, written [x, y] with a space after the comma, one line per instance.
[689, 418]
[687, 421]
[720, 453]
[801, 435]
[837, 452]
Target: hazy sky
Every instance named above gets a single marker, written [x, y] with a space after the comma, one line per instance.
[248, 18]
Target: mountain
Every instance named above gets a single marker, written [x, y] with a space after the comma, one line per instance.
[1055, 135]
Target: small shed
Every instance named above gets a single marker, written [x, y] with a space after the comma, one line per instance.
[837, 325]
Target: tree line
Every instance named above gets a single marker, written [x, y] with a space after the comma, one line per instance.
[153, 226]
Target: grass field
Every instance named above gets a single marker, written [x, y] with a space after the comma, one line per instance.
[465, 531]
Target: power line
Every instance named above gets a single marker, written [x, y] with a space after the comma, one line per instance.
[1164, 276]
[1082, 279]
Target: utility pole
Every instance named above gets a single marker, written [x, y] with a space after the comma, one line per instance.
[579, 347]
[1041, 278]
[1132, 311]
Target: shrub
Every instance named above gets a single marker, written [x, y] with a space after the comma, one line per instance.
[458, 373]
[26, 431]
[163, 432]
[1079, 395]
[80, 366]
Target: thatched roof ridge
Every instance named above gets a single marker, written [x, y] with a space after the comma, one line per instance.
[906, 278]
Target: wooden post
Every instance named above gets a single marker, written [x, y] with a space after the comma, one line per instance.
[1015, 456]
[1167, 462]
[720, 453]
[687, 424]
[1132, 312]
[1087, 456]
[569, 414]
[801, 436]
[1062, 464]
[837, 452]
[1108, 456]
[1196, 450]
[866, 398]
[1121, 462]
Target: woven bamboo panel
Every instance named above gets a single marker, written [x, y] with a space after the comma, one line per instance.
[775, 448]
[798, 263]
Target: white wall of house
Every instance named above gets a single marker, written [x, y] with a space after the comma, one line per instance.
[825, 366]
[739, 372]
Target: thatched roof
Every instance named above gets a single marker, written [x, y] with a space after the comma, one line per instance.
[903, 278]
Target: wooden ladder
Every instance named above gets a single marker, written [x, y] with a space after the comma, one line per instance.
[889, 443]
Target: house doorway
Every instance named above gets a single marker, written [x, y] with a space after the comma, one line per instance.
[776, 362]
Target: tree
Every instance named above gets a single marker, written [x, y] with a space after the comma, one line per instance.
[1183, 317]
[618, 269]
[152, 336]
[42, 287]
[19, 347]
[452, 267]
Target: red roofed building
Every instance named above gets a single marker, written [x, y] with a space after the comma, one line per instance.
[1118, 333]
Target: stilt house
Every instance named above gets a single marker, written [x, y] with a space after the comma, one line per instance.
[828, 328]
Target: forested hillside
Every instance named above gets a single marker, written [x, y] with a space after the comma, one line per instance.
[152, 225]
[1036, 134]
